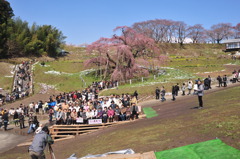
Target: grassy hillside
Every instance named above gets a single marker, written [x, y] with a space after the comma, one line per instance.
[6, 75]
[183, 63]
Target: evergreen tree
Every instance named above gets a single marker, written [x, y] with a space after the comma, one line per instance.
[17, 38]
[6, 14]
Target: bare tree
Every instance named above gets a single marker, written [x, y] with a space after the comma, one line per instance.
[182, 31]
[220, 31]
[236, 30]
[197, 33]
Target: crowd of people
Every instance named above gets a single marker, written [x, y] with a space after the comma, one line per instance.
[21, 84]
[197, 87]
[80, 106]
[17, 116]
[76, 107]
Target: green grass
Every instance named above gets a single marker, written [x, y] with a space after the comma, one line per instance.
[214, 149]
[6, 78]
[67, 80]
[171, 77]
[149, 112]
[199, 65]
[66, 66]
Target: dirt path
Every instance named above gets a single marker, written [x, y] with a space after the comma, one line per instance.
[9, 140]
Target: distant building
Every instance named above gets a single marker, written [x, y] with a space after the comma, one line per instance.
[232, 45]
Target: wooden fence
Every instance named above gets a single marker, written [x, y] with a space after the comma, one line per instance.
[61, 132]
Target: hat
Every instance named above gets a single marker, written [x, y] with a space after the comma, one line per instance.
[45, 128]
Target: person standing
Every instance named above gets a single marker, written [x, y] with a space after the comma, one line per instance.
[176, 89]
[51, 112]
[200, 94]
[16, 118]
[5, 119]
[135, 94]
[183, 89]
[219, 78]
[225, 80]
[209, 81]
[190, 87]
[157, 91]
[163, 92]
[41, 139]
[21, 121]
[173, 93]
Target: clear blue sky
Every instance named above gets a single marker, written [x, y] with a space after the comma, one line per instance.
[85, 21]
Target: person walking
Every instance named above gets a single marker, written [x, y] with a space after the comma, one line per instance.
[40, 141]
[200, 94]
[225, 81]
[157, 91]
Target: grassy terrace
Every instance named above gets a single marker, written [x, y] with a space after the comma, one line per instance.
[63, 75]
[6, 78]
[179, 70]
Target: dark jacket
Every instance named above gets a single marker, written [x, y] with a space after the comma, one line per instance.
[163, 92]
[5, 117]
[225, 79]
[219, 79]
[15, 115]
[136, 109]
[177, 88]
[21, 117]
[157, 91]
[173, 90]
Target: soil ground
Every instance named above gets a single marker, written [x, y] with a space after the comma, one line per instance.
[176, 125]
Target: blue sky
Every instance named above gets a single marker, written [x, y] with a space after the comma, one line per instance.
[85, 21]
